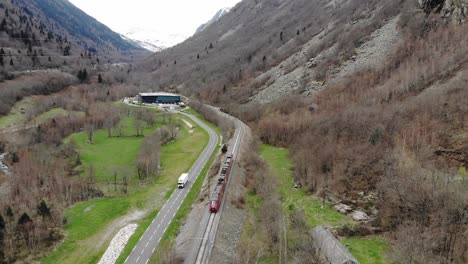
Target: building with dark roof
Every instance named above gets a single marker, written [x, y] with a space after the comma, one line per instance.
[158, 98]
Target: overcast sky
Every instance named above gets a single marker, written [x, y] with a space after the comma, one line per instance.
[169, 16]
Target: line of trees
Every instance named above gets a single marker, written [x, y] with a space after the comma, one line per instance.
[148, 160]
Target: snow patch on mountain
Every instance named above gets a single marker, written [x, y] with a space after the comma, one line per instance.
[152, 39]
[215, 18]
[156, 40]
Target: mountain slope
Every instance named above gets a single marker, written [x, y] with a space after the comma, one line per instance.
[257, 35]
[215, 18]
[64, 15]
[43, 34]
[368, 96]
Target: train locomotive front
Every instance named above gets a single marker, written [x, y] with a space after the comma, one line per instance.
[217, 195]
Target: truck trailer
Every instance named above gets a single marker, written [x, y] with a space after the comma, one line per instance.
[182, 180]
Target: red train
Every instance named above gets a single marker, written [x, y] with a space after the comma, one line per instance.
[217, 195]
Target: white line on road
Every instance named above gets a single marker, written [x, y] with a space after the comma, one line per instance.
[175, 200]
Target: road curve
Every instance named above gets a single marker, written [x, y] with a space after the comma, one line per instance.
[145, 248]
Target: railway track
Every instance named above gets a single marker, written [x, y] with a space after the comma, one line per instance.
[208, 239]
[202, 253]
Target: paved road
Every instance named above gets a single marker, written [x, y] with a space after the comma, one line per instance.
[151, 238]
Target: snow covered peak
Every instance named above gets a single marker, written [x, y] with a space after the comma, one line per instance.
[215, 18]
[152, 39]
[157, 40]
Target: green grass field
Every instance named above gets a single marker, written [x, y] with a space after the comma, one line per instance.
[55, 112]
[368, 250]
[89, 233]
[109, 153]
[365, 249]
[83, 225]
[16, 114]
[280, 166]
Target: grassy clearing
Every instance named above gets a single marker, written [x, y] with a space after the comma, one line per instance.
[176, 157]
[55, 112]
[10, 120]
[280, 166]
[367, 250]
[109, 154]
[85, 220]
[16, 114]
[106, 153]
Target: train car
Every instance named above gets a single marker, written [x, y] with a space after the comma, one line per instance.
[217, 195]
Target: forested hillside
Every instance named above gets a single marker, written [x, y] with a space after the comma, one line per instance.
[365, 100]
[56, 64]
[49, 41]
[50, 34]
[369, 97]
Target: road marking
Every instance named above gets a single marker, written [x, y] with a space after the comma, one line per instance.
[176, 196]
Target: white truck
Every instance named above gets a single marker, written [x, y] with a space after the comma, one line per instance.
[182, 180]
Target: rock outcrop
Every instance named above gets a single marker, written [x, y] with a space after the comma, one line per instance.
[456, 10]
[359, 216]
[343, 208]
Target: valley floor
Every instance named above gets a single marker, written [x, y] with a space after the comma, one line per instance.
[92, 224]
